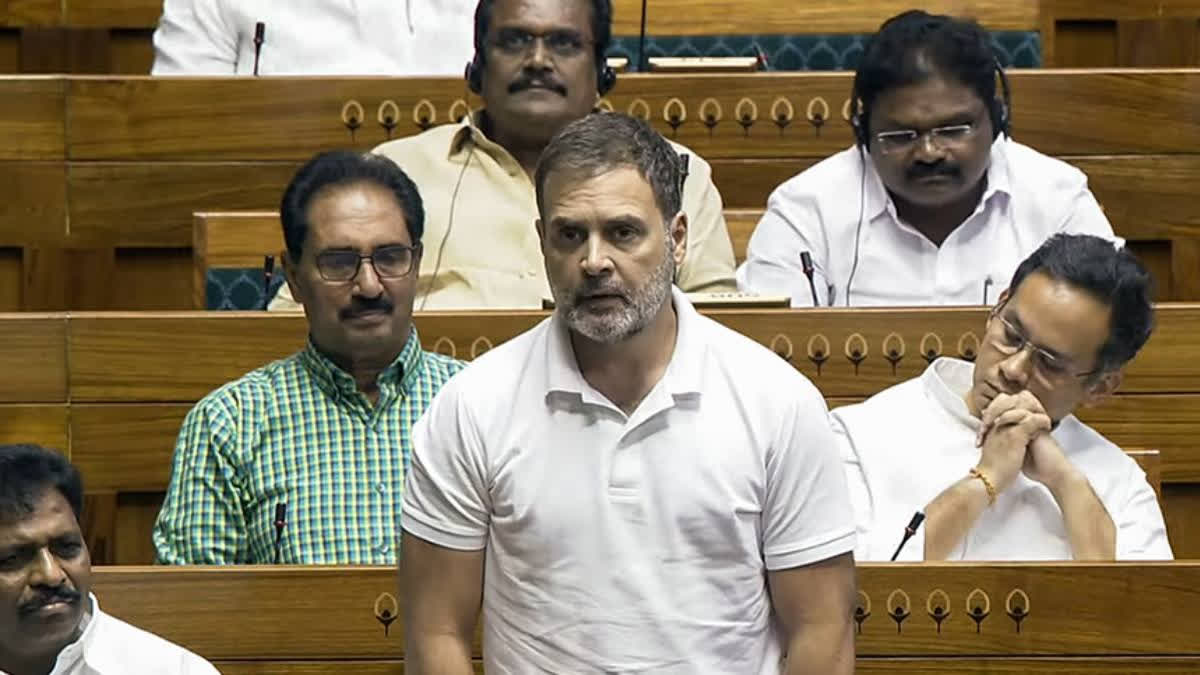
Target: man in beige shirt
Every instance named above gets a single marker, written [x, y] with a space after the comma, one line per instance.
[539, 64]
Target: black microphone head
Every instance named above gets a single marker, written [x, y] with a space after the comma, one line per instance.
[917, 519]
[807, 263]
[280, 514]
[260, 30]
[268, 265]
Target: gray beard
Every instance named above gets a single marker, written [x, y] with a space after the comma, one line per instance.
[625, 322]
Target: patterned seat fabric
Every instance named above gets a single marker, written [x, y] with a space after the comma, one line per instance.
[1015, 49]
[238, 288]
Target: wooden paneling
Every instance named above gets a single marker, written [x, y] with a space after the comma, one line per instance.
[112, 13]
[11, 266]
[31, 12]
[1181, 510]
[1107, 33]
[33, 203]
[1169, 423]
[148, 279]
[33, 358]
[190, 119]
[151, 204]
[214, 352]
[31, 114]
[1127, 609]
[726, 17]
[44, 425]
[125, 448]
[131, 357]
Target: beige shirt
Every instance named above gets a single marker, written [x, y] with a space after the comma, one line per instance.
[481, 246]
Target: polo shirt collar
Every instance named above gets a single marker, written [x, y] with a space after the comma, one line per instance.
[878, 201]
[946, 382]
[684, 373]
[400, 375]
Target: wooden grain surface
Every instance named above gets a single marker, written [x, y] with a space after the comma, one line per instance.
[33, 358]
[1073, 609]
[240, 119]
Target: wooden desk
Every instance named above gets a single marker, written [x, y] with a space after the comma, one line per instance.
[1105, 618]
[127, 388]
[137, 156]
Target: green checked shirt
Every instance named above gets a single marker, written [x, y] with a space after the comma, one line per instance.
[297, 431]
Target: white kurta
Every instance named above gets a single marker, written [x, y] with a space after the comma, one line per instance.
[1029, 197]
[630, 544]
[316, 37]
[908, 443]
[109, 646]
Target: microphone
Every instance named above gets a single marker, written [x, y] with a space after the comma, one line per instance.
[641, 62]
[280, 522]
[807, 263]
[260, 30]
[683, 172]
[268, 274]
[987, 284]
[909, 531]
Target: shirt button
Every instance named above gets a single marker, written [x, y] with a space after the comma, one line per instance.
[384, 549]
[380, 488]
[531, 273]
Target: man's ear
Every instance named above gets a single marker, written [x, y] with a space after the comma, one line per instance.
[1102, 388]
[678, 232]
[291, 275]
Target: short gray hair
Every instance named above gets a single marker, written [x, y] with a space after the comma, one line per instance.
[601, 142]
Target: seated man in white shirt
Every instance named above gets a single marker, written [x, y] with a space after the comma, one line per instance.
[935, 205]
[612, 486]
[317, 37]
[49, 621]
[991, 452]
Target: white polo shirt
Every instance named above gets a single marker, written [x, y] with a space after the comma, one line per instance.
[630, 544]
[1029, 197]
[908, 443]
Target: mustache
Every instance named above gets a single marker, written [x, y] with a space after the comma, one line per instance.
[923, 170]
[43, 598]
[359, 306]
[592, 288]
[544, 81]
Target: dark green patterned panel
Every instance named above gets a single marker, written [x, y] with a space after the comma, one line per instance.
[1015, 49]
[237, 288]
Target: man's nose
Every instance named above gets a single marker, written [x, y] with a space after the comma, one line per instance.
[367, 283]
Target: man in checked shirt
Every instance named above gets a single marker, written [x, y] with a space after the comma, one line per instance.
[324, 431]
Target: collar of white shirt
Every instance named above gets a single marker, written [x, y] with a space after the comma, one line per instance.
[998, 182]
[947, 382]
[683, 376]
[78, 650]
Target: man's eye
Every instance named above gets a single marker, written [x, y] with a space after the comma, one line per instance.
[1050, 365]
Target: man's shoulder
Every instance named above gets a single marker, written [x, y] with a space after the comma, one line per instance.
[1036, 172]
[763, 370]
[816, 180]
[439, 367]
[118, 647]
[432, 143]
[498, 369]
[899, 396]
[259, 384]
[696, 163]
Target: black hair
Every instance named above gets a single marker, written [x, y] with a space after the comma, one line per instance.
[602, 13]
[603, 141]
[341, 168]
[914, 46]
[27, 472]
[1110, 274]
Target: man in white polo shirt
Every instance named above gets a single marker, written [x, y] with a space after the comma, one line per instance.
[935, 204]
[629, 486]
[1041, 485]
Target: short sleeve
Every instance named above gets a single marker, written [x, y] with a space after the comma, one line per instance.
[202, 520]
[807, 516]
[1141, 532]
[773, 266]
[446, 498]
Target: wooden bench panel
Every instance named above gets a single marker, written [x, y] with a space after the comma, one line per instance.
[31, 118]
[125, 448]
[241, 119]
[136, 357]
[45, 425]
[33, 358]
[1119, 615]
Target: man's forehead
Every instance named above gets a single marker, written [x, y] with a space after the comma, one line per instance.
[621, 189]
[346, 215]
[51, 517]
[543, 15]
[1059, 315]
[934, 97]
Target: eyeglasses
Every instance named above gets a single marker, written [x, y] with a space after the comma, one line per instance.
[562, 43]
[1009, 340]
[390, 262]
[903, 140]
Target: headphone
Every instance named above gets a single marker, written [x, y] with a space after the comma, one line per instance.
[606, 77]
